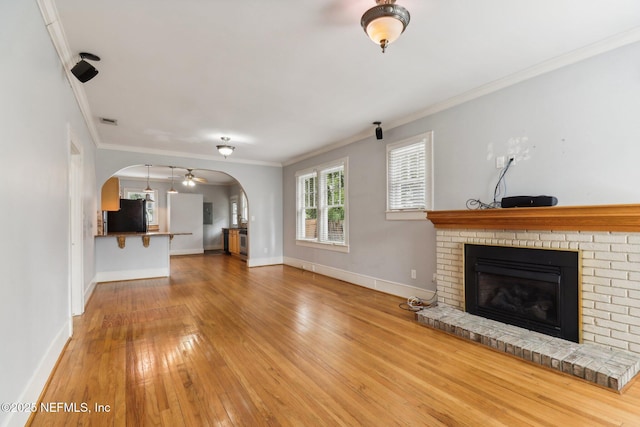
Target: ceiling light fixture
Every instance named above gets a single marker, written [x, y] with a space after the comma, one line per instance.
[83, 70]
[385, 22]
[172, 190]
[148, 189]
[225, 149]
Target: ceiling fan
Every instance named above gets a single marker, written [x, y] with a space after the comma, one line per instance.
[190, 179]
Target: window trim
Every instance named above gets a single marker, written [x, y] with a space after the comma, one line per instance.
[316, 243]
[413, 214]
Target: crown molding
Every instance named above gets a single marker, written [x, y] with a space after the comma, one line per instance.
[603, 46]
[58, 37]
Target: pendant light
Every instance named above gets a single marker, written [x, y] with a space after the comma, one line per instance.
[172, 190]
[148, 189]
[385, 22]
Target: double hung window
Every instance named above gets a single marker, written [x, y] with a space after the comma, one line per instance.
[410, 177]
[322, 206]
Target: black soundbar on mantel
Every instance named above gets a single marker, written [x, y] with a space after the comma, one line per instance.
[528, 201]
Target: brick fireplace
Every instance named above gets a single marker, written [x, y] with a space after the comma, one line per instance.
[607, 239]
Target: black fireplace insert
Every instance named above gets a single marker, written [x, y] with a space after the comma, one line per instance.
[537, 289]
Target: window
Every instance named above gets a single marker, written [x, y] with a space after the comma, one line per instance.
[322, 206]
[244, 203]
[234, 211]
[410, 177]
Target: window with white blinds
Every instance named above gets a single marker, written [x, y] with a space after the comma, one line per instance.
[322, 205]
[409, 177]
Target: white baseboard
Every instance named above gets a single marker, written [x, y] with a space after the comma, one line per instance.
[259, 262]
[386, 286]
[113, 276]
[39, 379]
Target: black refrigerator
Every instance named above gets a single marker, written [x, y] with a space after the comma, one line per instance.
[132, 217]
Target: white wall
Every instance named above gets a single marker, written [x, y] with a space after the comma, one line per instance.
[36, 108]
[575, 133]
[185, 216]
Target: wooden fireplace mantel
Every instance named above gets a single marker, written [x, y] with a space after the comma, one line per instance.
[575, 218]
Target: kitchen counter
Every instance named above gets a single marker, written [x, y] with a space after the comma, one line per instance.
[129, 256]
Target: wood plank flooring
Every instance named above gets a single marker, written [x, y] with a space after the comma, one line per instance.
[221, 344]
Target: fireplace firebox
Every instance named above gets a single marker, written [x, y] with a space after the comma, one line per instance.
[537, 289]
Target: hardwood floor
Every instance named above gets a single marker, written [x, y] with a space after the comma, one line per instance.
[221, 344]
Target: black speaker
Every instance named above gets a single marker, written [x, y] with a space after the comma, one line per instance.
[528, 201]
[84, 71]
[378, 132]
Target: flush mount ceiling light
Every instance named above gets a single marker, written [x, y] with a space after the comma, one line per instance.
[83, 70]
[148, 189]
[225, 149]
[385, 22]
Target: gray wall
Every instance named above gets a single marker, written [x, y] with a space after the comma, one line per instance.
[36, 107]
[575, 133]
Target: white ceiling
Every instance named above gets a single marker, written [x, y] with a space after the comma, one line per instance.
[285, 78]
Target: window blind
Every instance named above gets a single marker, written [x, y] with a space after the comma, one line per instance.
[406, 176]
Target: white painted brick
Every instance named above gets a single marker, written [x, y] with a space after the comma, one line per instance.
[591, 296]
[634, 238]
[609, 291]
[588, 254]
[588, 272]
[613, 274]
[588, 304]
[552, 236]
[612, 308]
[627, 284]
[625, 266]
[634, 330]
[626, 336]
[597, 330]
[528, 236]
[574, 245]
[611, 256]
[633, 257]
[594, 280]
[610, 238]
[588, 337]
[596, 263]
[579, 237]
[467, 234]
[587, 287]
[612, 325]
[634, 312]
[623, 318]
[612, 342]
[628, 248]
[634, 294]
[598, 247]
[634, 276]
[629, 302]
[588, 320]
[634, 347]
[596, 313]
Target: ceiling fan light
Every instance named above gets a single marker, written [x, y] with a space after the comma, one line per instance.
[385, 22]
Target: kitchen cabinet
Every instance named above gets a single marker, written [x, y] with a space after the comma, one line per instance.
[234, 241]
[110, 195]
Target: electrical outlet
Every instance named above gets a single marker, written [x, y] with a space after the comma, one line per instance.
[413, 274]
[500, 162]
